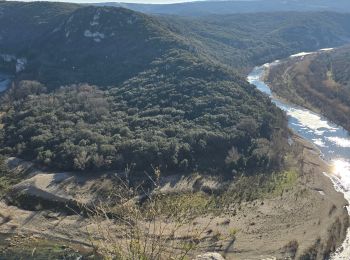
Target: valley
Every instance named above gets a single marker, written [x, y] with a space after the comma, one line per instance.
[126, 135]
[317, 81]
[331, 140]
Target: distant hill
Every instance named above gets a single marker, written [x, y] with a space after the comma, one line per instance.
[60, 47]
[58, 41]
[230, 7]
[245, 40]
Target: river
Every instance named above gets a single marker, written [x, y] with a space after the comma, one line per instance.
[332, 140]
[5, 81]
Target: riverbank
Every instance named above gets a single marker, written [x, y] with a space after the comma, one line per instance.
[331, 139]
[311, 215]
[308, 217]
[317, 81]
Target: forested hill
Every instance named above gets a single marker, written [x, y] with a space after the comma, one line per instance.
[22, 24]
[59, 40]
[164, 95]
[156, 103]
[242, 40]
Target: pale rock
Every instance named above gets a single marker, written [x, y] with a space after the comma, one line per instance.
[97, 36]
[21, 64]
[209, 256]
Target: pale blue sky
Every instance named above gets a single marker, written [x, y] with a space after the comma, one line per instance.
[124, 1]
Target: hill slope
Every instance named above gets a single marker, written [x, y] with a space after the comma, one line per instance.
[60, 40]
[165, 105]
[121, 43]
[245, 40]
[21, 24]
[59, 48]
[200, 8]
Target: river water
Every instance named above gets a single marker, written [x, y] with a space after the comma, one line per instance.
[332, 140]
[5, 81]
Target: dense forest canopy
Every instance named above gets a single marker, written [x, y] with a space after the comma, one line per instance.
[87, 44]
[180, 114]
[247, 40]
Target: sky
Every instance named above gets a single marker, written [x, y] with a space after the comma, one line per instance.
[124, 1]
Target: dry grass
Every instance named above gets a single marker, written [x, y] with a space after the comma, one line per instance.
[131, 230]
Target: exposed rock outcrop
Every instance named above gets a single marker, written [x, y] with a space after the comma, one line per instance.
[210, 256]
